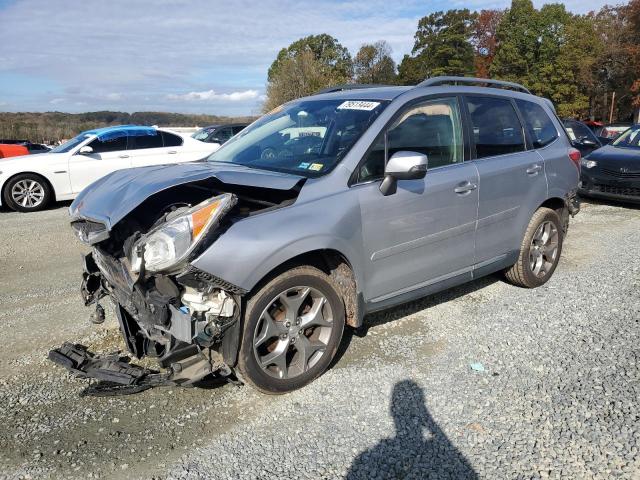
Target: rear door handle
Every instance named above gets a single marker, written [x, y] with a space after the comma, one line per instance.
[534, 169]
[171, 152]
[465, 187]
[123, 156]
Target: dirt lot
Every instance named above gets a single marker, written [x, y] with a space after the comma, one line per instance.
[506, 383]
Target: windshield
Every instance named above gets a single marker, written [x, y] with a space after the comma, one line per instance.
[629, 139]
[202, 134]
[306, 138]
[70, 144]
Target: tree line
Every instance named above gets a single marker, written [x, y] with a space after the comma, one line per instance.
[49, 127]
[588, 65]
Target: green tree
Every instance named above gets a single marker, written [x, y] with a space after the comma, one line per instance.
[305, 66]
[333, 58]
[517, 43]
[442, 47]
[297, 76]
[373, 64]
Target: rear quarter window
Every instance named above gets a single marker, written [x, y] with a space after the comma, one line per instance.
[539, 126]
[171, 140]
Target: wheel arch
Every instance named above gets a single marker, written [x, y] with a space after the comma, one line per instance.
[335, 264]
[559, 205]
[28, 172]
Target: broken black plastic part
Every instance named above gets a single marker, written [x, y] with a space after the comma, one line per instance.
[110, 389]
[111, 368]
[198, 279]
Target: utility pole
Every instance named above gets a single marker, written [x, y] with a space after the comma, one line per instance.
[613, 102]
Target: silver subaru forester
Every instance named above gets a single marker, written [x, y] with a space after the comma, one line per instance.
[250, 264]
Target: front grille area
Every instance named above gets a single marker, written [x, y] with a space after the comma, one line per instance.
[627, 191]
[619, 174]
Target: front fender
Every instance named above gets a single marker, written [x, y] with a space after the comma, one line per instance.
[253, 247]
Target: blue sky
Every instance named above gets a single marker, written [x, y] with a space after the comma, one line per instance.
[182, 55]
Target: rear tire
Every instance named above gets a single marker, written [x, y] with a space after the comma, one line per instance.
[540, 250]
[292, 329]
[27, 192]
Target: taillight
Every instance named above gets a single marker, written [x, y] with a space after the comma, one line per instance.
[575, 157]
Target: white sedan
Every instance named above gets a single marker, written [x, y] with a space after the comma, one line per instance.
[28, 183]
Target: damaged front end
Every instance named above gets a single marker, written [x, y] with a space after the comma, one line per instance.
[185, 318]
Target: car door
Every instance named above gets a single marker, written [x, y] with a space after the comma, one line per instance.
[425, 231]
[107, 156]
[512, 178]
[147, 150]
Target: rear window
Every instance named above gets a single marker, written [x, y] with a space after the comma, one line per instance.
[496, 127]
[539, 126]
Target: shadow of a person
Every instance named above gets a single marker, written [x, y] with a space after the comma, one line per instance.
[409, 454]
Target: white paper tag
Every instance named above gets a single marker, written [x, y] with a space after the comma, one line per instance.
[358, 105]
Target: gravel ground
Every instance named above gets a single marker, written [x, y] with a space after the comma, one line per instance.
[486, 380]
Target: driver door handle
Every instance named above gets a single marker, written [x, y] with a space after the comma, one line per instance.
[171, 152]
[465, 187]
[534, 169]
[123, 156]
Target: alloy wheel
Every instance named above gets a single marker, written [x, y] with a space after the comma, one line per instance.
[293, 332]
[27, 193]
[543, 250]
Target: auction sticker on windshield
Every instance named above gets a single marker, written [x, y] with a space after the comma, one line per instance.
[358, 105]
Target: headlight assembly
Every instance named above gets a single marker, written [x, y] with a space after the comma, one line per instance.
[586, 163]
[169, 244]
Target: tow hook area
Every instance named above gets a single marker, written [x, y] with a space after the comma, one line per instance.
[116, 376]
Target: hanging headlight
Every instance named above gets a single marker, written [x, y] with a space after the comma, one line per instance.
[169, 244]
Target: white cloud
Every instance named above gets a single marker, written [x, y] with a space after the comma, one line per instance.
[147, 53]
[55, 101]
[211, 95]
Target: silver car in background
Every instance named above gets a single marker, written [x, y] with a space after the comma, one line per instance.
[250, 265]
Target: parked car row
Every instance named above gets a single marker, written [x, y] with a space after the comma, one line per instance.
[613, 171]
[29, 183]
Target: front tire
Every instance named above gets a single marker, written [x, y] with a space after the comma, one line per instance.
[292, 329]
[27, 192]
[540, 250]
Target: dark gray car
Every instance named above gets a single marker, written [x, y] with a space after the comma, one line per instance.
[250, 266]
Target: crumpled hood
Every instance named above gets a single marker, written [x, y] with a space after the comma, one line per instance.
[109, 199]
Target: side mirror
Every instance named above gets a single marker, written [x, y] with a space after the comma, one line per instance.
[86, 150]
[585, 141]
[403, 166]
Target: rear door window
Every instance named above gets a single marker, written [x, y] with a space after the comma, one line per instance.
[539, 126]
[171, 140]
[238, 129]
[145, 141]
[496, 126]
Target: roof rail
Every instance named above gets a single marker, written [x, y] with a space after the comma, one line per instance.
[432, 82]
[350, 86]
